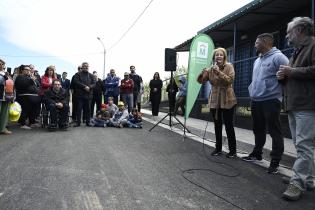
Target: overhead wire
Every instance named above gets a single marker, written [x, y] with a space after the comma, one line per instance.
[131, 26]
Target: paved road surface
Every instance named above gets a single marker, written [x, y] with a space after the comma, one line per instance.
[96, 168]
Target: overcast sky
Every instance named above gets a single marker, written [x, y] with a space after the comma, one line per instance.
[34, 30]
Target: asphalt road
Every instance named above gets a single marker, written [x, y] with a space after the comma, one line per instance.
[109, 168]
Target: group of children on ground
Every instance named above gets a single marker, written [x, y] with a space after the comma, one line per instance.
[111, 115]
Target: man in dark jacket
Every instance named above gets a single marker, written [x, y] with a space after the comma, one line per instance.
[137, 80]
[299, 80]
[57, 105]
[97, 94]
[83, 83]
[73, 97]
[65, 83]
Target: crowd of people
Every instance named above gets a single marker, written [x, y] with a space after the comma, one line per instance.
[273, 72]
[275, 79]
[53, 92]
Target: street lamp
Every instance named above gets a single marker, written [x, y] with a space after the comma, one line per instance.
[99, 39]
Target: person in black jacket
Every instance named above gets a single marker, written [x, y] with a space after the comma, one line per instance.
[155, 93]
[83, 83]
[97, 94]
[137, 80]
[27, 96]
[65, 84]
[172, 90]
[73, 97]
[56, 102]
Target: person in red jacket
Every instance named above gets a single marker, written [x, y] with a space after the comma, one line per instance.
[47, 79]
[126, 91]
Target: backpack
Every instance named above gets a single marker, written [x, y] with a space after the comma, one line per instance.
[9, 90]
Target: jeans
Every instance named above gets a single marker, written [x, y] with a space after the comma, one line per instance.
[128, 100]
[303, 136]
[267, 113]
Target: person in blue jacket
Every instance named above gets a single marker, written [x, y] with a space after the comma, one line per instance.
[181, 96]
[111, 84]
[266, 95]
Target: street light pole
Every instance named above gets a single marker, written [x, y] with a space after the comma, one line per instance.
[99, 39]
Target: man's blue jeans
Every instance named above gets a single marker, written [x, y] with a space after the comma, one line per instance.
[303, 136]
[128, 100]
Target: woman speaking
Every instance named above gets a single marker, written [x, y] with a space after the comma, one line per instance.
[222, 99]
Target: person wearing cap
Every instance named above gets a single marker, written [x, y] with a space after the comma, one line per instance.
[4, 104]
[126, 91]
[119, 120]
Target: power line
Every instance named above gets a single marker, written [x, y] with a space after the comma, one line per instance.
[124, 34]
[50, 56]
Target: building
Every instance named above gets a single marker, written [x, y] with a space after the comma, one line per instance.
[237, 33]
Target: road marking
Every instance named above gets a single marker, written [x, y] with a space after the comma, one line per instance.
[1, 194]
[90, 200]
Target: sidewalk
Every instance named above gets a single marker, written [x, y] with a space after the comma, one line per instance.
[245, 139]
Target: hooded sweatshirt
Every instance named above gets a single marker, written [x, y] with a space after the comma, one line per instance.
[265, 85]
[183, 87]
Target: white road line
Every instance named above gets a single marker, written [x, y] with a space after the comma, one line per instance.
[282, 170]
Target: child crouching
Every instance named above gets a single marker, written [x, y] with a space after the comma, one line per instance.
[101, 119]
[134, 119]
[119, 119]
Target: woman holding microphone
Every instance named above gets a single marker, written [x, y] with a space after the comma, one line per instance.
[222, 99]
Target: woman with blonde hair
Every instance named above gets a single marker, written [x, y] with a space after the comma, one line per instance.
[222, 99]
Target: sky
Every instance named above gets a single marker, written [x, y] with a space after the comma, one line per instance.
[64, 32]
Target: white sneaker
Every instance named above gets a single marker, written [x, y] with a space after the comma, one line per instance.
[26, 127]
[35, 125]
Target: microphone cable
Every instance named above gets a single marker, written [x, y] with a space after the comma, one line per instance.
[193, 170]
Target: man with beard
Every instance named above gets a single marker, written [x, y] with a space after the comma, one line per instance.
[299, 80]
[56, 102]
[266, 96]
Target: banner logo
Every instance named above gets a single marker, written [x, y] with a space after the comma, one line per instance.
[202, 50]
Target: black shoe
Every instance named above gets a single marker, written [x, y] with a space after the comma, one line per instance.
[272, 169]
[76, 125]
[64, 127]
[252, 158]
[52, 127]
[231, 155]
[89, 125]
[216, 153]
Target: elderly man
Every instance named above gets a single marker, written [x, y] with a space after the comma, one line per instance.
[299, 80]
[56, 103]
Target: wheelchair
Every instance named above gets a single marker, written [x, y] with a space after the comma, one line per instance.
[46, 120]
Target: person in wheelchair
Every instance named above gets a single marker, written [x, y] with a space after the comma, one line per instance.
[56, 104]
